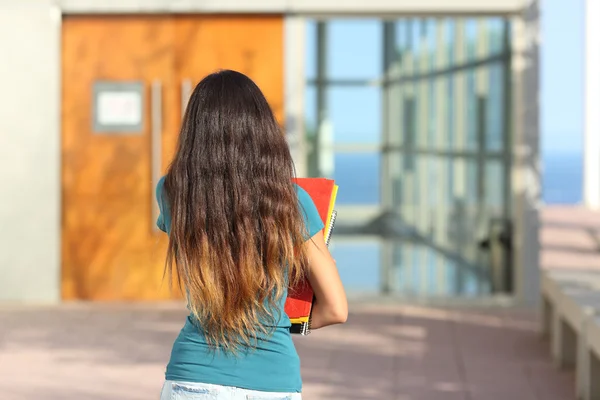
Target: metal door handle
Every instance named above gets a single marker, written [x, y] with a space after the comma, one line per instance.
[186, 92]
[156, 145]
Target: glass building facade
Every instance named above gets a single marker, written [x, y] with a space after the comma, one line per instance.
[412, 118]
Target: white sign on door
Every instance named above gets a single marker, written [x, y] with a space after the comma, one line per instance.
[118, 107]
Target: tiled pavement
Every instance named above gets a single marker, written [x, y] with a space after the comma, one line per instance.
[401, 352]
[384, 352]
[570, 238]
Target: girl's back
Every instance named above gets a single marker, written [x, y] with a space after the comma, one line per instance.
[238, 232]
[273, 364]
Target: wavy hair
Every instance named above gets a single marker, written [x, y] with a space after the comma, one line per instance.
[236, 231]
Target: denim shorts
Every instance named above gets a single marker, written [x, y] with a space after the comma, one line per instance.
[200, 391]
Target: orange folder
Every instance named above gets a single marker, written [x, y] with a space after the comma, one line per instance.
[299, 301]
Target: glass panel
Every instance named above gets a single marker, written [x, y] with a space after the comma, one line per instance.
[419, 199]
[471, 38]
[458, 112]
[310, 110]
[450, 180]
[494, 189]
[428, 271]
[451, 275]
[354, 49]
[495, 124]
[451, 114]
[415, 39]
[401, 35]
[310, 54]
[407, 261]
[433, 195]
[496, 32]
[357, 175]
[471, 100]
[431, 141]
[450, 26]
[397, 175]
[405, 38]
[355, 114]
[431, 42]
[406, 189]
[429, 281]
[472, 172]
[442, 200]
[310, 130]
[408, 130]
[358, 264]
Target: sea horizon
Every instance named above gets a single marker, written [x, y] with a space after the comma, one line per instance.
[562, 177]
[561, 171]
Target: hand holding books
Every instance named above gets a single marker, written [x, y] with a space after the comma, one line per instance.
[300, 299]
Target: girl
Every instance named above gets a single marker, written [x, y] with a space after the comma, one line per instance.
[240, 232]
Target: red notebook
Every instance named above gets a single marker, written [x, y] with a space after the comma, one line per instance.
[299, 301]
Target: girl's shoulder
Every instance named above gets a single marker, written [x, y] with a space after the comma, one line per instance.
[303, 196]
[160, 190]
[310, 214]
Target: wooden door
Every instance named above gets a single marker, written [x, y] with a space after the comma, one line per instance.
[110, 249]
[251, 45]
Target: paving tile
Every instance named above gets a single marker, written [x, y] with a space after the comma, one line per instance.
[569, 238]
[550, 384]
[95, 352]
[432, 395]
[516, 395]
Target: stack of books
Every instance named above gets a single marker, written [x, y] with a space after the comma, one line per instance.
[300, 299]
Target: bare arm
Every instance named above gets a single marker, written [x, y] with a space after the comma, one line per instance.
[331, 305]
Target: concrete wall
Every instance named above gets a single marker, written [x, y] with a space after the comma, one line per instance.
[324, 7]
[29, 151]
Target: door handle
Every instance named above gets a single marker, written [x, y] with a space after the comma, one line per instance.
[186, 92]
[156, 146]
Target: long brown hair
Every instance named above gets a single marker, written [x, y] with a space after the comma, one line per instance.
[236, 229]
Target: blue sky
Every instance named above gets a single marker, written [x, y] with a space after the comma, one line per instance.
[562, 75]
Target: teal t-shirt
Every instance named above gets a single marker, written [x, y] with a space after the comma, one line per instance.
[273, 366]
